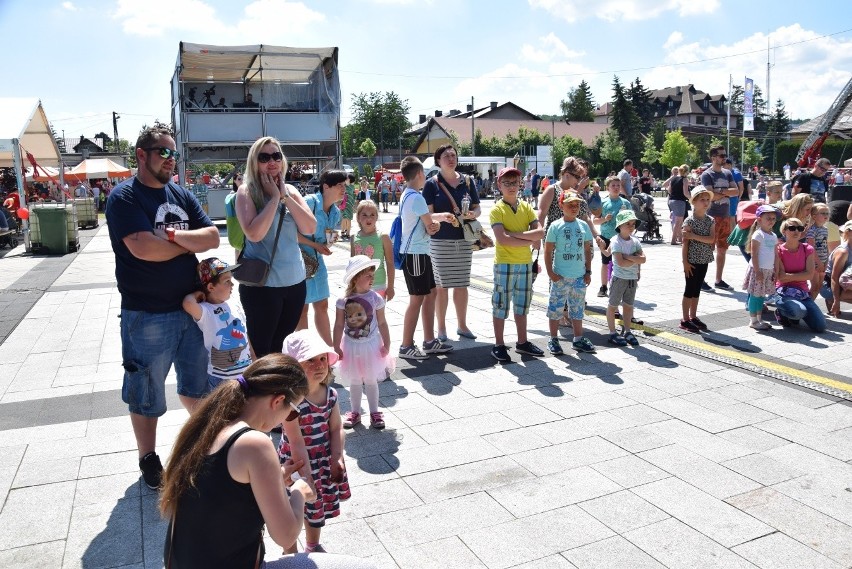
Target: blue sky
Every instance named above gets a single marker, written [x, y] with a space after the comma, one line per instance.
[85, 58]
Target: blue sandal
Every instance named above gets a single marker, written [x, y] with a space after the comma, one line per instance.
[631, 339]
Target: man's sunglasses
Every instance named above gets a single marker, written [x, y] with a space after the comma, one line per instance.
[264, 157]
[164, 153]
[798, 228]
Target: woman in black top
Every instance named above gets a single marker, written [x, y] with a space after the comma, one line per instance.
[224, 481]
[678, 190]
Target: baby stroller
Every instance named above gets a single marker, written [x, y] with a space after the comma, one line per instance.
[8, 237]
[649, 223]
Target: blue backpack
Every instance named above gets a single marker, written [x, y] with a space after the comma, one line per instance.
[396, 236]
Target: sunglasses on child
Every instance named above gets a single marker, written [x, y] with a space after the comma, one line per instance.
[264, 157]
[163, 152]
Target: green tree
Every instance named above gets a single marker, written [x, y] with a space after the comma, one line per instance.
[677, 150]
[777, 128]
[368, 173]
[367, 148]
[567, 146]
[626, 121]
[348, 141]
[382, 117]
[579, 106]
[752, 155]
[643, 104]
[650, 153]
[610, 150]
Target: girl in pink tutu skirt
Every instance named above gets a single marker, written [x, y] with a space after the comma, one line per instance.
[362, 340]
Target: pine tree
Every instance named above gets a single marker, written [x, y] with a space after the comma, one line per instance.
[580, 106]
[626, 121]
[642, 102]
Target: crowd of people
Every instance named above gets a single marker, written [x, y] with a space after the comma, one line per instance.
[244, 367]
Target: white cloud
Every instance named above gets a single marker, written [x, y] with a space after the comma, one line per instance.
[674, 39]
[615, 10]
[806, 76]
[547, 49]
[155, 17]
[267, 20]
[69, 6]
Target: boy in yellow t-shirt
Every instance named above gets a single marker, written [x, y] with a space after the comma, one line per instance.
[517, 232]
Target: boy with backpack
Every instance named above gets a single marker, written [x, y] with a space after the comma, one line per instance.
[410, 234]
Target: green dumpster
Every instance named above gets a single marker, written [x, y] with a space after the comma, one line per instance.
[53, 227]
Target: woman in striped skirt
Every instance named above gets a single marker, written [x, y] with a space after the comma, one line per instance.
[451, 254]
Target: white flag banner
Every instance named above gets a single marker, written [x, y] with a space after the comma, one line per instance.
[748, 105]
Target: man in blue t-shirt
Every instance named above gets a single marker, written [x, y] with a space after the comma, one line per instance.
[155, 228]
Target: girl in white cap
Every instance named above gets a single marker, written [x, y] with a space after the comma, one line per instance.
[362, 340]
[316, 439]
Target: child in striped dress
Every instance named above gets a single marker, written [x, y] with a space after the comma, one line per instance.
[317, 437]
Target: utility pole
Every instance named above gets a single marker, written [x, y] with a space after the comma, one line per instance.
[115, 118]
[472, 131]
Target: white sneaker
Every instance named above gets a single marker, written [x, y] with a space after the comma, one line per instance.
[412, 353]
[761, 325]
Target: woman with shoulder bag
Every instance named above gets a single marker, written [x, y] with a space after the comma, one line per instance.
[271, 213]
[317, 244]
[452, 255]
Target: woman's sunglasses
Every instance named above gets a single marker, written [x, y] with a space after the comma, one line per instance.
[294, 413]
[264, 157]
[798, 228]
[163, 152]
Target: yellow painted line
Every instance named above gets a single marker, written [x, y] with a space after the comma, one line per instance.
[728, 353]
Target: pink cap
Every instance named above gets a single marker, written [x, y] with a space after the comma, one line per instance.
[508, 170]
[306, 344]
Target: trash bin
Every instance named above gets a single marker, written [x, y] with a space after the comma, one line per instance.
[53, 229]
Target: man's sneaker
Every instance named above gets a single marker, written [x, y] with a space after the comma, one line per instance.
[555, 347]
[377, 420]
[529, 348]
[152, 470]
[706, 287]
[722, 285]
[412, 353]
[689, 326]
[350, 419]
[436, 346]
[616, 340]
[584, 345]
[602, 292]
[501, 354]
[699, 324]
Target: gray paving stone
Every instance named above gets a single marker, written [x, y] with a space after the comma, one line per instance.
[484, 405]
[629, 471]
[39, 555]
[36, 514]
[110, 463]
[778, 551]
[558, 458]
[698, 441]
[455, 481]
[753, 438]
[702, 473]
[422, 415]
[636, 439]
[712, 517]
[389, 441]
[529, 415]
[696, 415]
[537, 495]
[644, 393]
[528, 539]
[153, 529]
[623, 511]
[368, 470]
[762, 469]
[613, 553]
[639, 415]
[343, 536]
[12, 456]
[477, 425]
[549, 562]
[434, 457]
[34, 473]
[439, 520]
[678, 546]
[518, 440]
[380, 498]
[811, 437]
[804, 524]
[575, 428]
[828, 495]
[590, 404]
[449, 553]
[105, 535]
[742, 393]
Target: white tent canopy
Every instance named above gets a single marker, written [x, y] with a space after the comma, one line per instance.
[24, 119]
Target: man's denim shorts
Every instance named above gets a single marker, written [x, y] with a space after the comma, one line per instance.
[150, 344]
